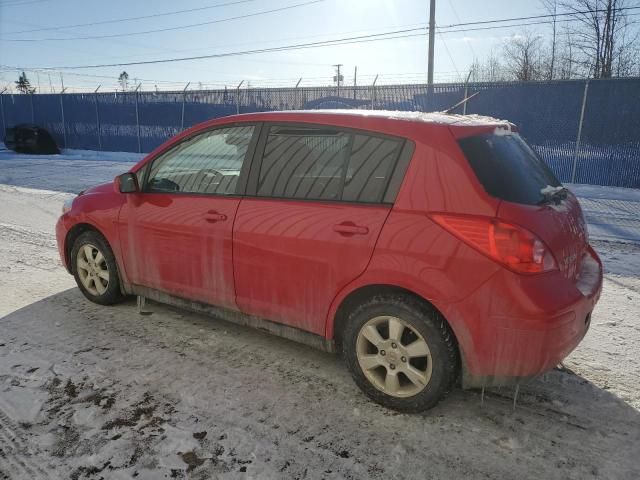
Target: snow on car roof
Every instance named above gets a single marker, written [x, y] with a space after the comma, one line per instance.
[427, 117]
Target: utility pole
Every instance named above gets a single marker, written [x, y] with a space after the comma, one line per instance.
[432, 35]
[337, 78]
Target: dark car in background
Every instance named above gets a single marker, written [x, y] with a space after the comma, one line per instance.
[30, 138]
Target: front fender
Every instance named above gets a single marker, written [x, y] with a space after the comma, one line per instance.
[97, 211]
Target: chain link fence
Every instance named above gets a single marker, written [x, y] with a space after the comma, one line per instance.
[588, 131]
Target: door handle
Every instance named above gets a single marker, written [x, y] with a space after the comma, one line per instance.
[212, 216]
[350, 228]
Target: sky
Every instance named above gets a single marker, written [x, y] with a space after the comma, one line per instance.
[395, 61]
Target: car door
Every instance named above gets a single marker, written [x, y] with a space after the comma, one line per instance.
[314, 209]
[177, 232]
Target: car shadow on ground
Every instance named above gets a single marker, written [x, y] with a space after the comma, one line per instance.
[88, 388]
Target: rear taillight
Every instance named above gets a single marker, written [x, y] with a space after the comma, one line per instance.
[514, 247]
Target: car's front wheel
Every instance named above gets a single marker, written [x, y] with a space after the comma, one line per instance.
[95, 270]
[401, 352]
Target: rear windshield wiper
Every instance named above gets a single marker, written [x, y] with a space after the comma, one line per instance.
[553, 194]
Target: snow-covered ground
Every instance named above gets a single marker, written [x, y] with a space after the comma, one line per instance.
[72, 171]
[103, 392]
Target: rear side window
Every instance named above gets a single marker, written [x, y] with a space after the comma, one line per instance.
[327, 164]
[508, 168]
[370, 164]
[303, 163]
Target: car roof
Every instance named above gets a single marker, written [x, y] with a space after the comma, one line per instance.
[439, 118]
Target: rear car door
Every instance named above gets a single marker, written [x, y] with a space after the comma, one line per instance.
[178, 230]
[308, 225]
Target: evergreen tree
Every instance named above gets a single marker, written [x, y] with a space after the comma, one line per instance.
[123, 80]
[23, 85]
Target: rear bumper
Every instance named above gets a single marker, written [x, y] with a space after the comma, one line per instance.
[534, 328]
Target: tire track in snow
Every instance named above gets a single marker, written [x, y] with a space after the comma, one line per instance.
[16, 454]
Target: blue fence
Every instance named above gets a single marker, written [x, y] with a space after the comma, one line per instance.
[587, 131]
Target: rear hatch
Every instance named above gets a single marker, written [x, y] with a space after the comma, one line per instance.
[531, 195]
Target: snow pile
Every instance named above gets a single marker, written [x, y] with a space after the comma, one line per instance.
[427, 117]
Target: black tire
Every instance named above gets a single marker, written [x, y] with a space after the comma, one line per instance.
[112, 293]
[426, 321]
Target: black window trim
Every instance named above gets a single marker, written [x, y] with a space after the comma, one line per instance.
[241, 185]
[405, 146]
[398, 174]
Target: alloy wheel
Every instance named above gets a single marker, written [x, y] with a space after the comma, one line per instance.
[92, 269]
[393, 356]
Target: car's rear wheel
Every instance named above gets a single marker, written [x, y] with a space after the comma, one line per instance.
[95, 270]
[401, 352]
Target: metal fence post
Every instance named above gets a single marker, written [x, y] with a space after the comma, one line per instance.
[64, 128]
[184, 95]
[238, 97]
[33, 115]
[466, 93]
[297, 99]
[575, 155]
[95, 93]
[4, 123]
[138, 118]
[373, 91]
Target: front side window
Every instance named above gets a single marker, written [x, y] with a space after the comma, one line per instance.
[317, 163]
[209, 163]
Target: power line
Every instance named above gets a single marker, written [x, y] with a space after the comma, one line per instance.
[535, 17]
[263, 42]
[341, 41]
[449, 53]
[130, 19]
[390, 35]
[524, 24]
[455, 13]
[166, 29]
[482, 22]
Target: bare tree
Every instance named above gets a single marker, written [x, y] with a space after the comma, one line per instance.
[565, 63]
[523, 57]
[551, 6]
[603, 35]
[490, 69]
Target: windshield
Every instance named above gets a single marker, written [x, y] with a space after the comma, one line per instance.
[508, 168]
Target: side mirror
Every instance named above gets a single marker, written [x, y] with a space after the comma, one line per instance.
[127, 183]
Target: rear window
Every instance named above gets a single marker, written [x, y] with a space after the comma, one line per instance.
[508, 168]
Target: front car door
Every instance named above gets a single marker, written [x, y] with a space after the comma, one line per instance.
[177, 232]
[308, 225]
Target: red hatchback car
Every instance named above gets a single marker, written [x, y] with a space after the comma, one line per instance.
[424, 247]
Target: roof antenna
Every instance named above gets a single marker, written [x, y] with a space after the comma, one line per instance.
[461, 102]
